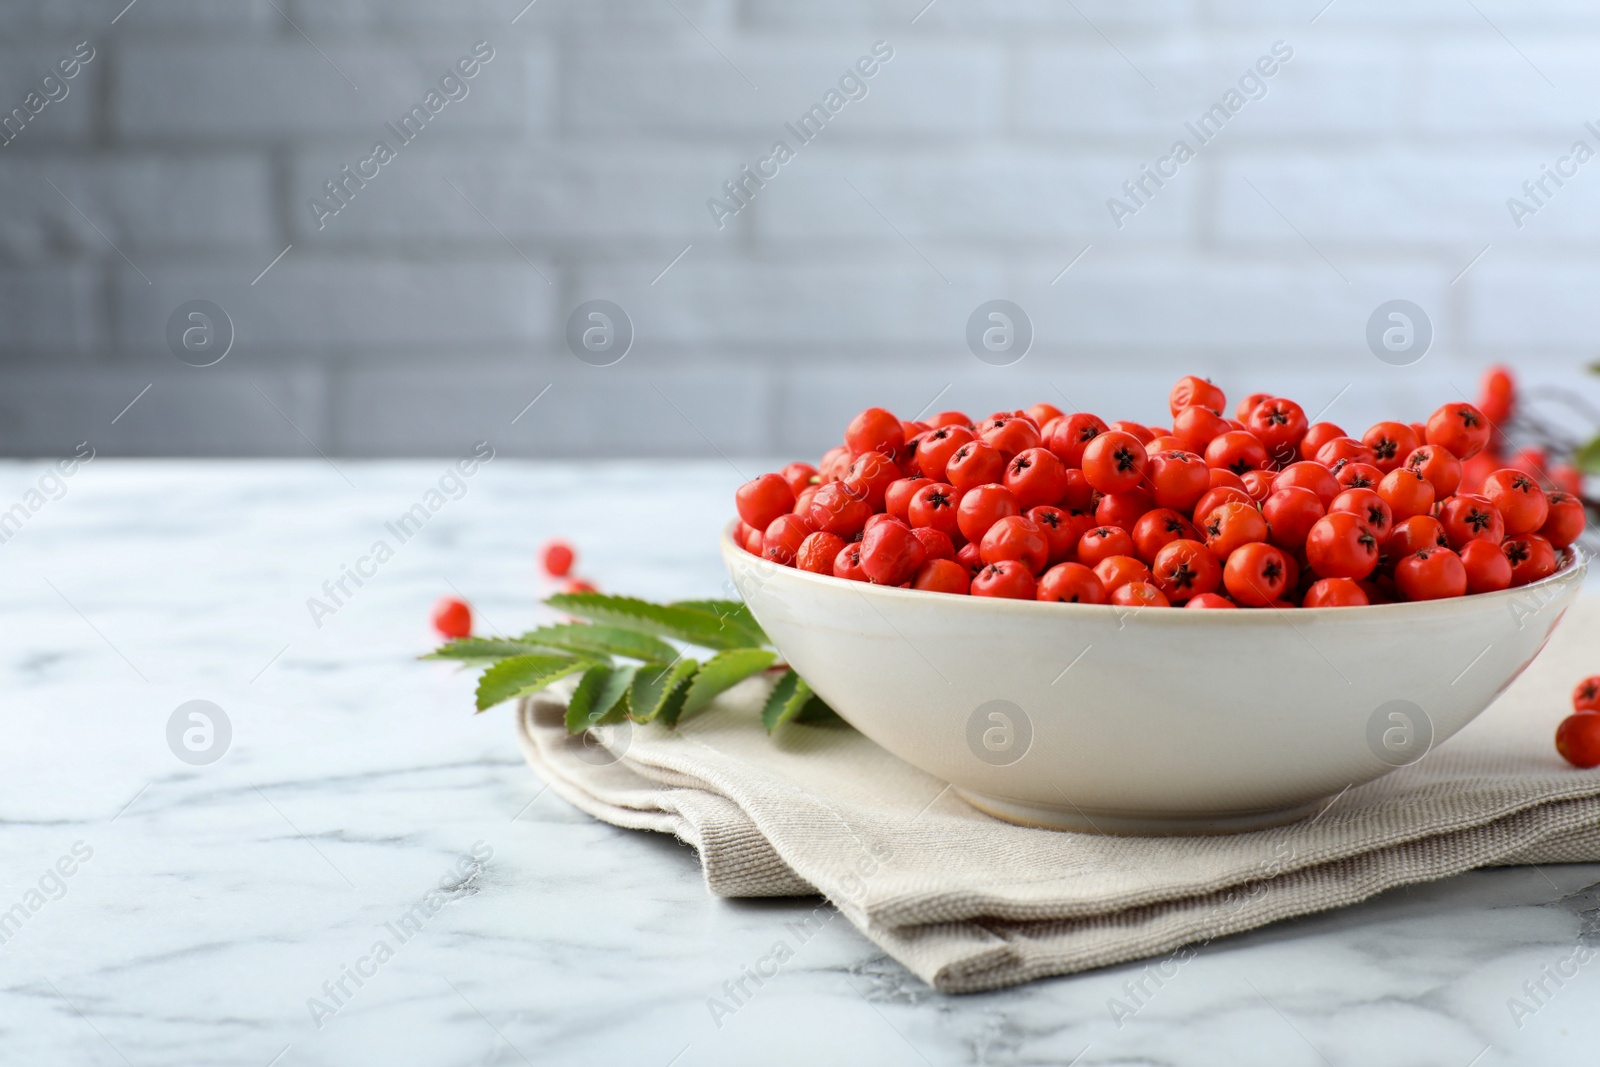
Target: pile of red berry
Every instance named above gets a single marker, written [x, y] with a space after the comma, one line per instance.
[1578, 736]
[1259, 510]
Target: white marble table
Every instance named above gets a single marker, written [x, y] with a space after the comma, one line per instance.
[218, 899]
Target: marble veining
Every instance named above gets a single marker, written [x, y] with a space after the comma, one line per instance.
[212, 907]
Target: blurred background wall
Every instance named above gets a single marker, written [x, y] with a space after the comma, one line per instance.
[977, 162]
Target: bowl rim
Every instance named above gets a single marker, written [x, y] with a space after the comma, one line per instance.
[1573, 565]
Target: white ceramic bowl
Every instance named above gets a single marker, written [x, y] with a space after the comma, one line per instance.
[1148, 721]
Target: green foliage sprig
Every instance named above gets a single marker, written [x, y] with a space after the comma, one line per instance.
[630, 668]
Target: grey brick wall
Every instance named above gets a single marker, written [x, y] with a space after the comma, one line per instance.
[432, 307]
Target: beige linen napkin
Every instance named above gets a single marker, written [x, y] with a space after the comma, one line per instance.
[968, 902]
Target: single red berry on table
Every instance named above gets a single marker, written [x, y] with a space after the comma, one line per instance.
[1123, 509]
[1237, 451]
[780, 541]
[1139, 595]
[1019, 538]
[1566, 520]
[1184, 569]
[1406, 492]
[982, 507]
[557, 558]
[1459, 427]
[1432, 574]
[1368, 505]
[1578, 739]
[874, 430]
[1438, 466]
[818, 551]
[1391, 444]
[452, 618]
[1342, 545]
[1586, 697]
[761, 500]
[1103, 542]
[1256, 575]
[1335, 593]
[942, 576]
[1007, 579]
[934, 453]
[1211, 600]
[973, 464]
[1488, 569]
[1519, 500]
[1117, 571]
[1231, 527]
[1532, 558]
[1114, 461]
[1071, 583]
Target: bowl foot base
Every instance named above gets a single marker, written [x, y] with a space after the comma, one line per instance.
[1153, 825]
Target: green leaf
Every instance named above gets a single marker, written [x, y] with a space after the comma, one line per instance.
[735, 613]
[723, 671]
[788, 699]
[587, 639]
[1587, 458]
[658, 690]
[693, 625]
[581, 707]
[612, 706]
[521, 675]
[481, 648]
